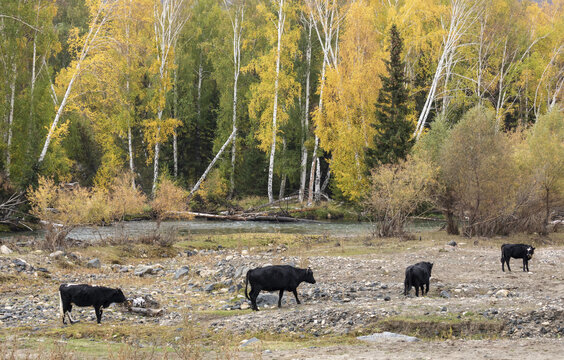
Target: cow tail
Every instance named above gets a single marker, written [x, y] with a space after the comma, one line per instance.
[407, 282]
[61, 303]
[246, 283]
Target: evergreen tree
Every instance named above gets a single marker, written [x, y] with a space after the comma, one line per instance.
[393, 139]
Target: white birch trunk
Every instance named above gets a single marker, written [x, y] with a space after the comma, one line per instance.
[280, 29]
[130, 150]
[212, 163]
[237, 25]
[305, 120]
[156, 158]
[175, 114]
[11, 118]
[318, 181]
[283, 180]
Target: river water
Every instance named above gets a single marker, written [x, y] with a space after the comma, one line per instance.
[135, 229]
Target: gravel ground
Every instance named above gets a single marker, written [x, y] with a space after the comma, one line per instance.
[353, 294]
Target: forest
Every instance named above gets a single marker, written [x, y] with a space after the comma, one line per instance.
[392, 106]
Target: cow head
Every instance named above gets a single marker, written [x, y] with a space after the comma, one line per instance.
[530, 252]
[309, 276]
[118, 296]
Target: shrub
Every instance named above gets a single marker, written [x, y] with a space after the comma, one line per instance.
[396, 191]
[169, 198]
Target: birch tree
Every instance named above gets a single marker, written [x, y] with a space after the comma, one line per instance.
[169, 18]
[307, 21]
[463, 13]
[102, 13]
[327, 19]
[236, 11]
[274, 94]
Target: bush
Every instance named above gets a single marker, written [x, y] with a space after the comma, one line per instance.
[169, 199]
[61, 207]
[396, 191]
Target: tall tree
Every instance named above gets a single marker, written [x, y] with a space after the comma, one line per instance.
[170, 17]
[393, 138]
[101, 12]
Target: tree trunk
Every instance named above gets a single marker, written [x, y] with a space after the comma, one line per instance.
[237, 30]
[305, 120]
[210, 166]
[283, 180]
[11, 118]
[156, 158]
[130, 150]
[318, 181]
[175, 114]
[275, 107]
[452, 225]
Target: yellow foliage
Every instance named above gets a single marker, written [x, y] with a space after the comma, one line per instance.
[169, 197]
[351, 91]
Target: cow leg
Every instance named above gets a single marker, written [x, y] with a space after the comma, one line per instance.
[98, 310]
[508, 268]
[426, 287]
[416, 290]
[525, 264]
[280, 298]
[503, 264]
[253, 295]
[296, 296]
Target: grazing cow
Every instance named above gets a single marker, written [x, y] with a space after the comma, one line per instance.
[276, 278]
[86, 295]
[417, 275]
[516, 251]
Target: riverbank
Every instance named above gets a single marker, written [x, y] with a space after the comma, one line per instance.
[358, 292]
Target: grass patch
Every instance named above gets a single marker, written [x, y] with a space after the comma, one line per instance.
[449, 326]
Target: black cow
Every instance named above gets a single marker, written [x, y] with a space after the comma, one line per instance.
[417, 275]
[516, 251]
[276, 278]
[86, 295]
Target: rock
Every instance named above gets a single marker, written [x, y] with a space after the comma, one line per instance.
[5, 250]
[242, 271]
[56, 254]
[445, 294]
[502, 293]
[94, 264]
[249, 342]
[267, 299]
[183, 271]
[387, 335]
[452, 243]
[142, 270]
[387, 298]
[444, 308]
[245, 306]
[209, 287]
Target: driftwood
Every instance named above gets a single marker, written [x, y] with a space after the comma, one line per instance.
[241, 217]
[256, 208]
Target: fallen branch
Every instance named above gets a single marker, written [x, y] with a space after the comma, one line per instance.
[293, 197]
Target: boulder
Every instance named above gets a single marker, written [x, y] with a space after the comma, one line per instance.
[452, 243]
[267, 299]
[143, 270]
[445, 294]
[5, 250]
[183, 271]
[502, 293]
[94, 264]
[387, 336]
[56, 254]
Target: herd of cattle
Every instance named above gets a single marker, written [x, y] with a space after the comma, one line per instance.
[270, 278]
